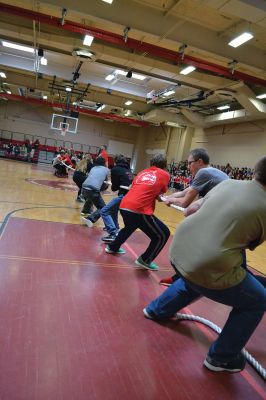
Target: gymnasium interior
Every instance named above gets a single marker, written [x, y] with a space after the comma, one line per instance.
[141, 77]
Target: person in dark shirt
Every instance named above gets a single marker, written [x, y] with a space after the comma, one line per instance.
[120, 176]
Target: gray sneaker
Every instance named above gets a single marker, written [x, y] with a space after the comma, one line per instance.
[87, 221]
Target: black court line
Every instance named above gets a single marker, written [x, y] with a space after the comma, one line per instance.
[6, 218]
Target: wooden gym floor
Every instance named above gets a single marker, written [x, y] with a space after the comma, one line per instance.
[71, 315]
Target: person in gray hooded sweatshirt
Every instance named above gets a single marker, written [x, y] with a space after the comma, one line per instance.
[91, 190]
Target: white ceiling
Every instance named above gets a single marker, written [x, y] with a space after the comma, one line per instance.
[204, 26]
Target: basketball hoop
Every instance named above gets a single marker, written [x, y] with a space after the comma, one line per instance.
[64, 126]
[63, 131]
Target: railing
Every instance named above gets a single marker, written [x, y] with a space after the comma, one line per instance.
[9, 136]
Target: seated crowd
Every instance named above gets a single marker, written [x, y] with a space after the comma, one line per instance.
[180, 177]
[23, 151]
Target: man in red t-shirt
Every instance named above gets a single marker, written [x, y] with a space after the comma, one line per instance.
[137, 208]
[103, 153]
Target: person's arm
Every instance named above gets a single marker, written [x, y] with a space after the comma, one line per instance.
[194, 207]
[183, 201]
[115, 180]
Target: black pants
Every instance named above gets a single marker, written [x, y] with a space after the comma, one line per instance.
[79, 178]
[155, 229]
[92, 197]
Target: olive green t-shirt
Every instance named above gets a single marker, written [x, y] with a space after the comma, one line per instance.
[206, 248]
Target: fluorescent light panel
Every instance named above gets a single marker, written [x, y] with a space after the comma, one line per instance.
[260, 96]
[88, 40]
[44, 61]
[169, 93]
[138, 76]
[17, 47]
[2, 75]
[134, 75]
[187, 70]
[174, 124]
[128, 102]
[101, 108]
[109, 77]
[243, 38]
[223, 108]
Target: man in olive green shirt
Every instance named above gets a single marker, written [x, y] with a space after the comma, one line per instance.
[208, 252]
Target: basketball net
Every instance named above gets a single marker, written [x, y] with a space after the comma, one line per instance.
[63, 131]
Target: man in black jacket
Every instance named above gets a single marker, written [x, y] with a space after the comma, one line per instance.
[120, 176]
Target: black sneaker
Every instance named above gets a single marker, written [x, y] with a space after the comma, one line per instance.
[235, 365]
[109, 238]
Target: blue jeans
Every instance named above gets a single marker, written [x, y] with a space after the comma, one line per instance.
[248, 302]
[109, 214]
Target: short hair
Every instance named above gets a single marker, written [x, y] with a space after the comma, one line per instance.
[159, 160]
[99, 161]
[104, 146]
[119, 158]
[260, 171]
[202, 154]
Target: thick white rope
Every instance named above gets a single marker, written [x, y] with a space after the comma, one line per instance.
[67, 166]
[251, 360]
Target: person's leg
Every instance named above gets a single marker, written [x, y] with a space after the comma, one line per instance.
[131, 223]
[158, 232]
[108, 212]
[88, 205]
[99, 203]
[173, 299]
[248, 300]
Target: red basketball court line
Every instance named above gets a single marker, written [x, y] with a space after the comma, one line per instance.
[246, 375]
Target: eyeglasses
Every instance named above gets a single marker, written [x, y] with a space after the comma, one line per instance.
[190, 162]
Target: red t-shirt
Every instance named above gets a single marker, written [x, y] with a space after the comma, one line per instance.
[145, 188]
[104, 155]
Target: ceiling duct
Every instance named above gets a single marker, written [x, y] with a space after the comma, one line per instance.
[159, 116]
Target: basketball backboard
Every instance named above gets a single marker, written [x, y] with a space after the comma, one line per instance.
[64, 123]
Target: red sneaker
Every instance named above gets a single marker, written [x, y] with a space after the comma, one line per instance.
[166, 281]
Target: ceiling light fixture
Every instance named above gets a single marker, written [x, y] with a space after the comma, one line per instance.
[240, 39]
[68, 89]
[8, 92]
[2, 75]
[138, 76]
[88, 39]
[44, 61]
[223, 107]
[101, 108]
[134, 75]
[260, 96]
[108, 1]
[173, 124]
[187, 70]
[168, 93]
[128, 102]
[17, 47]
[110, 77]
[45, 97]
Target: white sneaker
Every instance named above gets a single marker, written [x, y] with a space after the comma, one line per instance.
[87, 221]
